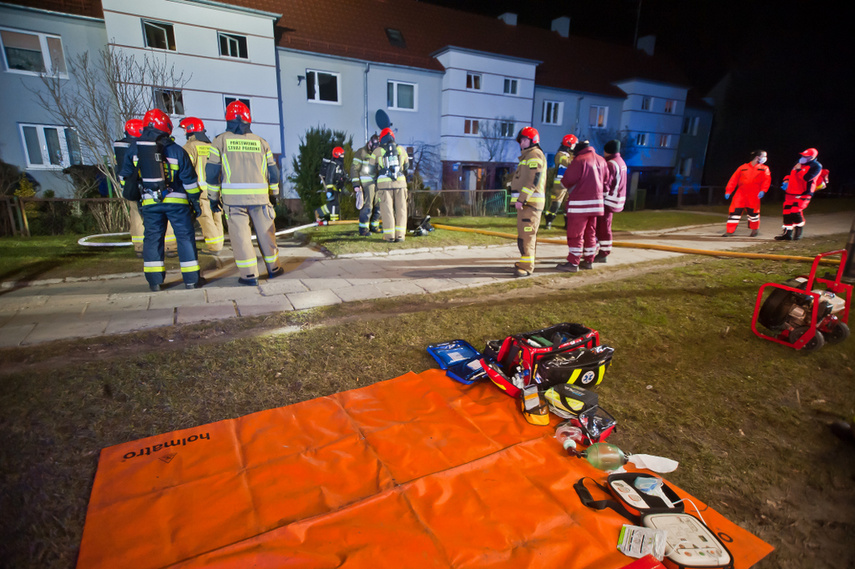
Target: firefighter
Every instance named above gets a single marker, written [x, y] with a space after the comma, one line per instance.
[333, 179]
[242, 175]
[390, 162]
[614, 198]
[362, 175]
[169, 189]
[559, 192]
[133, 130]
[799, 187]
[586, 178]
[749, 183]
[528, 192]
[198, 147]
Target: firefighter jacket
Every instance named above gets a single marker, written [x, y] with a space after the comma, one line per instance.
[562, 159]
[164, 169]
[198, 147]
[391, 162]
[614, 193]
[332, 174]
[362, 172]
[750, 179]
[131, 189]
[528, 185]
[241, 169]
[803, 178]
[586, 179]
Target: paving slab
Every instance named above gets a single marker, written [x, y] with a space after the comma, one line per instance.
[120, 303]
[432, 285]
[313, 299]
[63, 328]
[315, 284]
[360, 292]
[172, 299]
[282, 285]
[264, 305]
[400, 288]
[14, 334]
[134, 320]
[203, 313]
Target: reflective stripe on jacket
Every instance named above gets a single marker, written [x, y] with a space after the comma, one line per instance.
[247, 173]
[585, 179]
[528, 185]
[614, 196]
[379, 160]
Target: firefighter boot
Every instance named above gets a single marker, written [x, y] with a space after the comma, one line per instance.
[787, 235]
[549, 217]
[797, 233]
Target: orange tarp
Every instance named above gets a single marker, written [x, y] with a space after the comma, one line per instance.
[418, 471]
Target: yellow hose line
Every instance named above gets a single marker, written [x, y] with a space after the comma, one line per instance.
[669, 248]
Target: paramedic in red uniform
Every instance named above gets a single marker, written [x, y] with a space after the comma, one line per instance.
[614, 198]
[748, 185]
[799, 186]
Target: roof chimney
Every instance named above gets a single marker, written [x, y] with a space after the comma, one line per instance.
[646, 44]
[562, 26]
[509, 18]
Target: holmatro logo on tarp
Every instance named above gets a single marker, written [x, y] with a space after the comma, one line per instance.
[242, 145]
[148, 451]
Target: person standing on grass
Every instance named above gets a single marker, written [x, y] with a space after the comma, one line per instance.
[562, 159]
[748, 185]
[528, 190]
[614, 197]
[799, 187]
[389, 162]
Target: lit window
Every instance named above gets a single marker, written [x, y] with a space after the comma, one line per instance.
[321, 87]
[551, 112]
[232, 45]
[598, 116]
[395, 37]
[169, 101]
[510, 86]
[50, 147]
[641, 139]
[470, 126]
[664, 140]
[32, 53]
[671, 106]
[229, 99]
[507, 129]
[400, 95]
[158, 35]
[646, 103]
[473, 81]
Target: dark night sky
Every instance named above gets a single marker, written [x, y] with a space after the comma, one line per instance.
[790, 62]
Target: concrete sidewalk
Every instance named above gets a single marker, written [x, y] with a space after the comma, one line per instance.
[116, 304]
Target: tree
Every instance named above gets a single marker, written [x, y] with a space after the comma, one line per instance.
[495, 137]
[306, 165]
[108, 89]
[426, 166]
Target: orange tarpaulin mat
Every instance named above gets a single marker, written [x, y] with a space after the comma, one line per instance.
[418, 471]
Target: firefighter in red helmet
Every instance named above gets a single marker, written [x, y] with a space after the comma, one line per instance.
[169, 193]
[528, 193]
[390, 163]
[799, 187]
[198, 147]
[133, 130]
[562, 159]
[333, 179]
[241, 174]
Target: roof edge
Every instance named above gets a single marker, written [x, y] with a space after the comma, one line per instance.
[231, 8]
[51, 12]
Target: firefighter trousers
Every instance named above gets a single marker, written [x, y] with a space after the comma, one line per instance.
[331, 210]
[137, 229]
[528, 221]
[369, 215]
[241, 219]
[155, 218]
[211, 224]
[393, 210]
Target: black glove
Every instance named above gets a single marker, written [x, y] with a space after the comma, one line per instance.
[273, 199]
[215, 206]
[197, 209]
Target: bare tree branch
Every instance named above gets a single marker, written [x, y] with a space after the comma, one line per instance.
[495, 137]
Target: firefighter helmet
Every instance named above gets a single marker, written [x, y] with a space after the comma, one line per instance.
[238, 109]
[387, 131]
[337, 152]
[530, 133]
[158, 119]
[134, 127]
[569, 140]
[192, 124]
[811, 153]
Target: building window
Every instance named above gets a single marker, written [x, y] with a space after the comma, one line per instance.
[470, 126]
[598, 116]
[473, 81]
[171, 102]
[50, 147]
[321, 87]
[395, 37]
[229, 99]
[690, 125]
[646, 103]
[32, 53]
[232, 45]
[400, 95]
[671, 106]
[158, 35]
[685, 167]
[663, 140]
[641, 139]
[506, 128]
[510, 87]
[551, 112]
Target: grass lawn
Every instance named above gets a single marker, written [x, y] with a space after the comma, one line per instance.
[744, 417]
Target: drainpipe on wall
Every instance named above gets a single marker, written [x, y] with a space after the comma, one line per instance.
[365, 98]
[283, 155]
[578, 110]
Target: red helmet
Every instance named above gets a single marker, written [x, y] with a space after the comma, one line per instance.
[530, 133]
[159, 120]
[386, 131]
[237, 109]
[192, 124]
[134, 127]
[811, 153]
[569, 140]
[337, 152]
